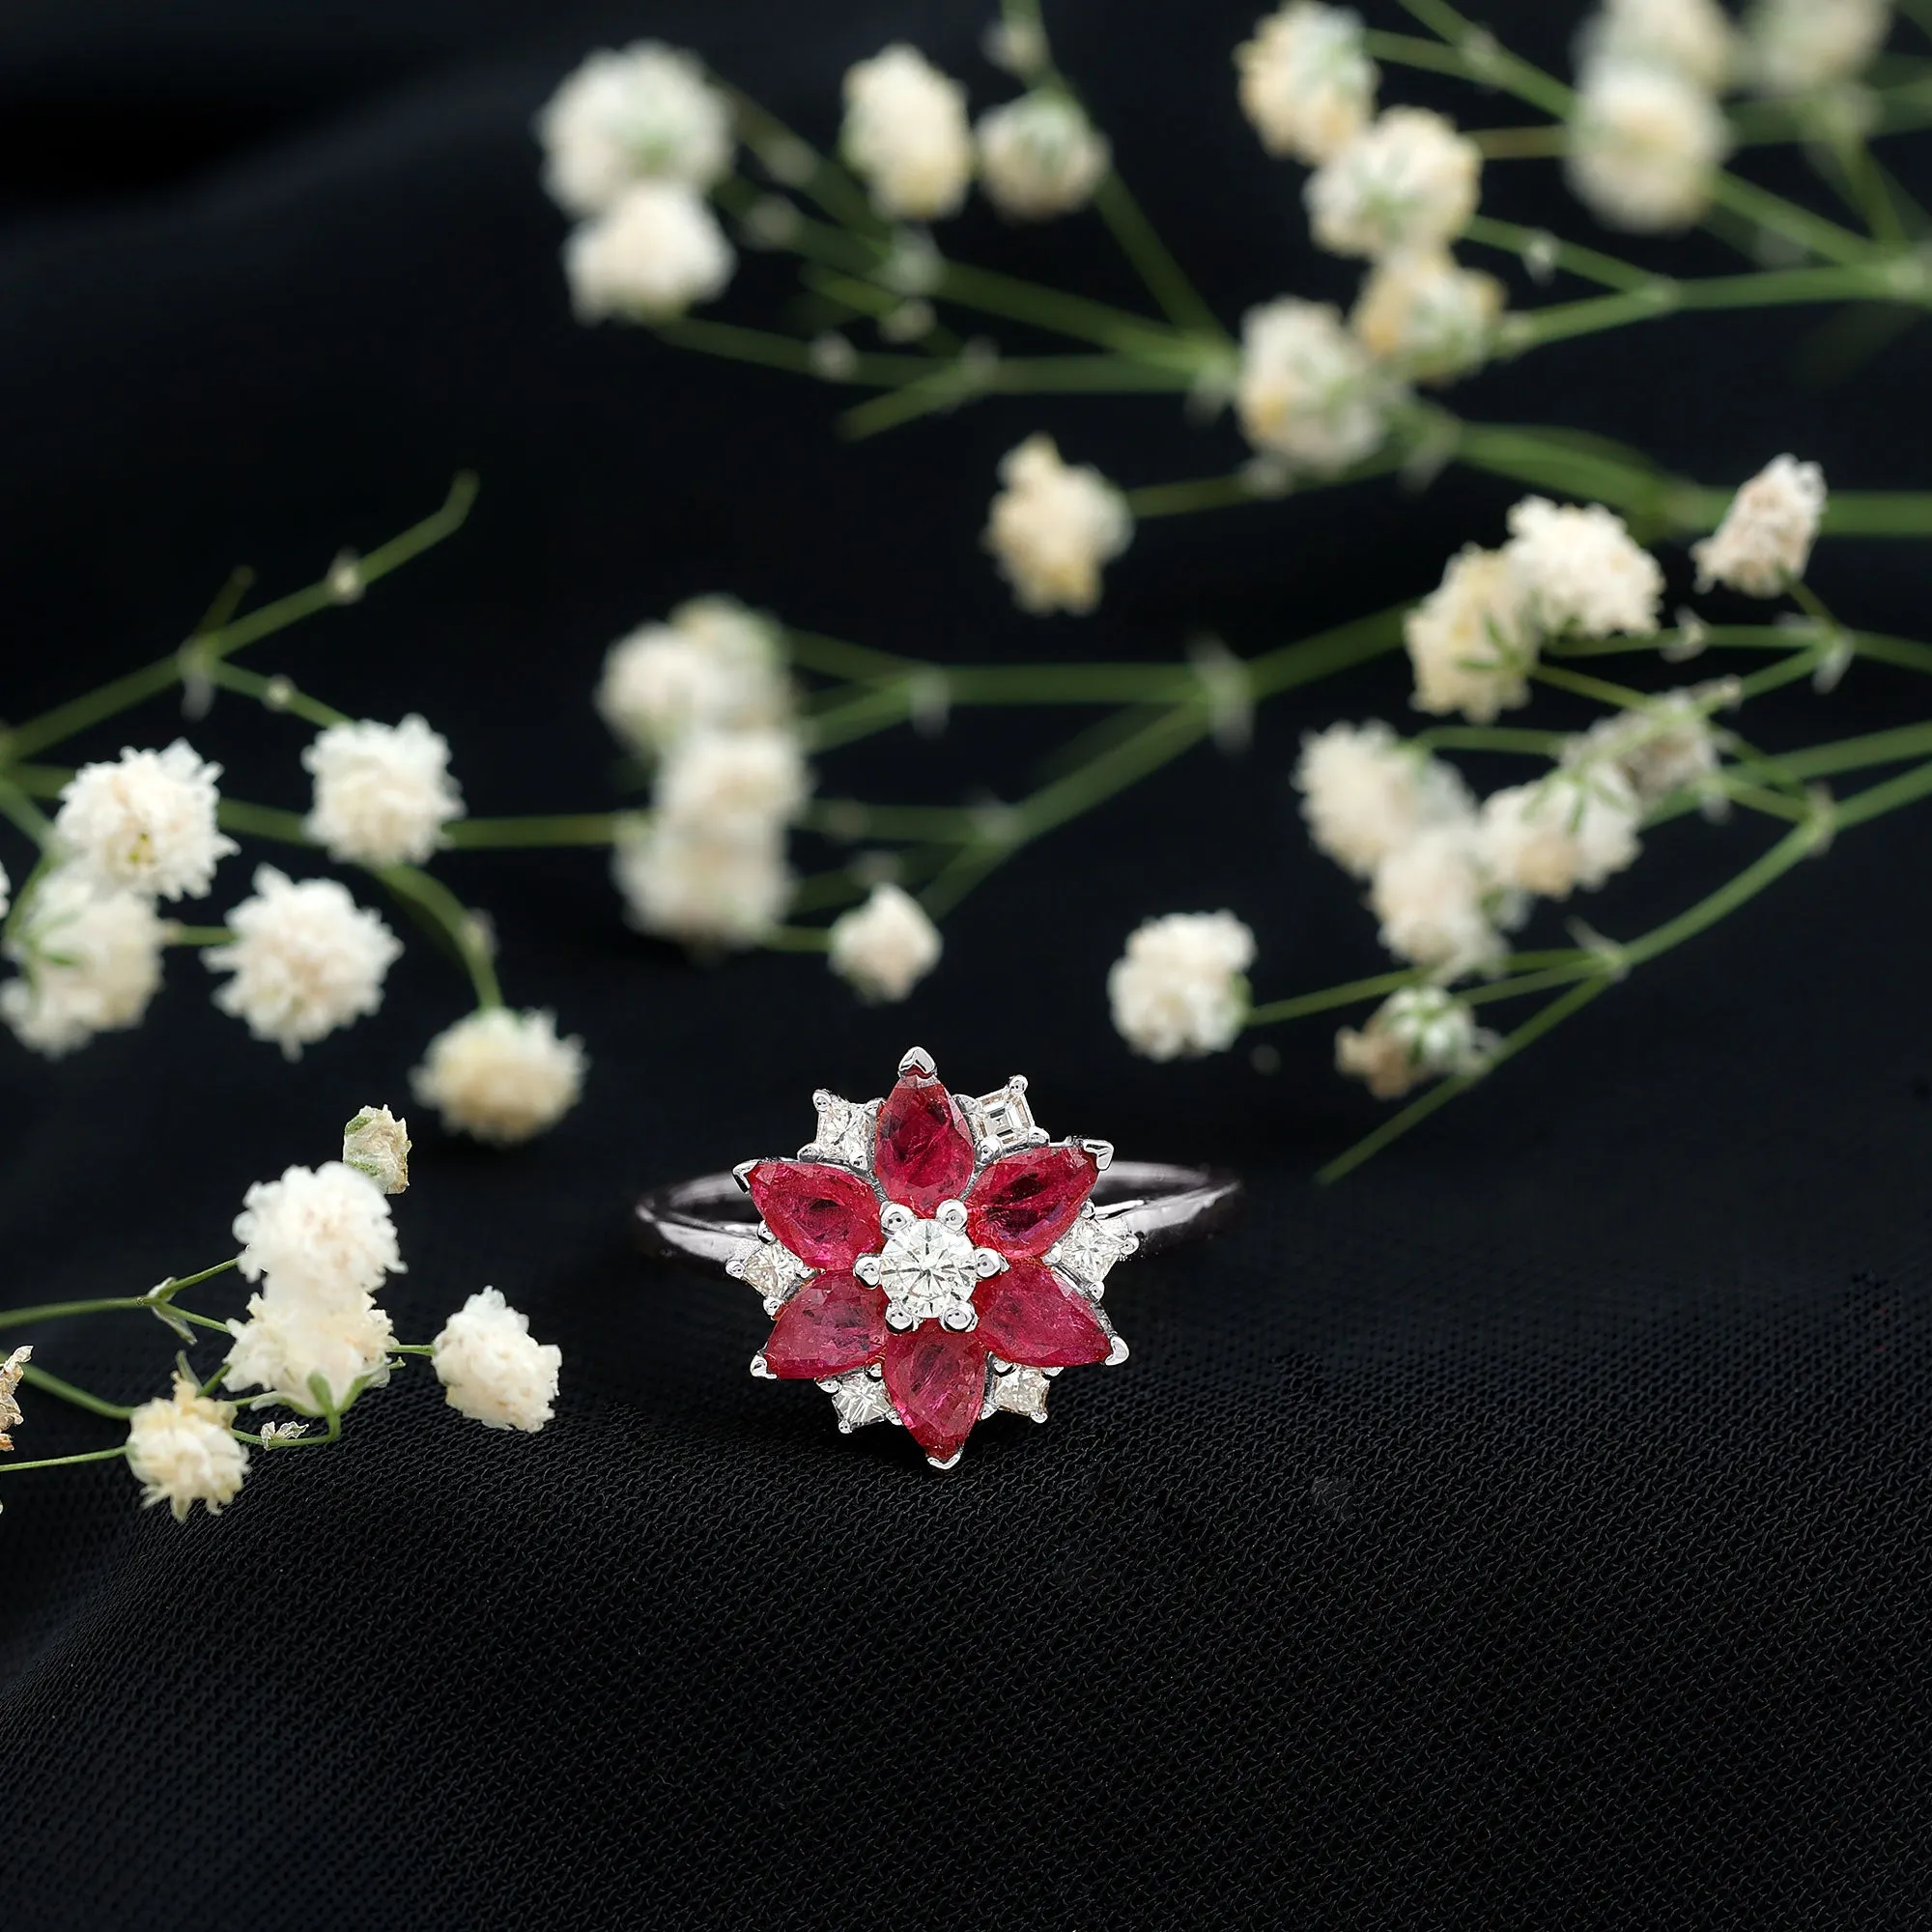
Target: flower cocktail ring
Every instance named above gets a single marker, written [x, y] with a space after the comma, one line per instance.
[931, 1259]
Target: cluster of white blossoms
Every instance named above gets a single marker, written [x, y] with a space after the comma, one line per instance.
[144, 822]
[383, 792]
[707, 696]
[11, 1370]
[1039, 157]
[1648, 136]
[631, 141]
[884, 947]
[1764, 544]
[1307, 83]
[502, 1076]
[304, 960]
[89, 962]
[713, 666]
[1418, 1034]
[1053, 527]
[1648, 131]
[1567, 569]
[1180, 989]
[493, 1369]
[1395, 189]
[321, 1241]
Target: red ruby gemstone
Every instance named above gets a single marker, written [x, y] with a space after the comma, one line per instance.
[1025, 1202]
[937, 1381]
[1029, 1315]
[826, 1216]
[924, 1154]
[833, 1324]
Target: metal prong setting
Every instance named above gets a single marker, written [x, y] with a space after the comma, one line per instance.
[1118, 1353]
[961, 1320]
[987, 1263]
[866, 1268]
[1103, 1152]
[916, 1060]
[948, 1463]
[948, 1214]
[742, 1174]
[761, 1369]
[896, 1219]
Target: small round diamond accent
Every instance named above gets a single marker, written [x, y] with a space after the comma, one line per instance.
[929, 1271]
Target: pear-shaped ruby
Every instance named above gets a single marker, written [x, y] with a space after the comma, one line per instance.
[924, 1154]
[1029, 1315]
[937, 1381]
[833, 1325]
[826, 1216]
[1025, 1202]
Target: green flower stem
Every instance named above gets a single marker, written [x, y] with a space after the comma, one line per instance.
[812, 650]
[1201, 492]
[1077, 316]
[1012, 376]
[1489, 64]
[797, 939]
[20, 811]
[1619, 697]
[201, 935]
[1521, 144]
[1588, 265]
[873, 711]
[13, 1468]
[1489, 738]
[850, 820]
[424, 893]
[1771, 212]
[79, 1396]
[1156, 267]
[827, 183]
[1355, 991]
[581, 828]
[120, 694]
[155, 1298]
[1851, 755]
[1908, 788]
[738, 344]
[261, 821]
[274, 693]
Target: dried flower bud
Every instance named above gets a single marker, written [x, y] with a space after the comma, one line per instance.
[377, 1143]
[11, 1371]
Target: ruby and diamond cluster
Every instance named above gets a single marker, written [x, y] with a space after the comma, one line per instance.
[932, 1260]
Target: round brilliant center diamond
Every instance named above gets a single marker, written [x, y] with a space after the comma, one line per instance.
[928, 1270]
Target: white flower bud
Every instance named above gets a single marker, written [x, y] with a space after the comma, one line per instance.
[11, 1370]
[1039, 157]
[1582, 570]
[701, 886]
[1418, 1034]
[500, 1077]
[90, 962]
[1181, 988]
[305, 960]
[383, 792]
[1307, 85]
[733, 783]
[1764, 544]
[907, 134]
[1471, 640]
[1798, 46]
[714, 665]
[1365, 793]
[1574, 828]
[318, 1233]
[1690, 37]
[1410, 181]
[1427, 316]
[144, 823]
[886, 947]
[375, 1144]
[182, 1451]
[1436, 903]
[1308, 391]
[654, 253]
[307, 1353]
[493, 1369]
[1053, 527]
[646, 113]
[1645, 146]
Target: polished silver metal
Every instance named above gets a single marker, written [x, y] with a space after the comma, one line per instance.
[711, 1221]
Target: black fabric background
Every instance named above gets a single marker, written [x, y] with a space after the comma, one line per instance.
[1527, 1532]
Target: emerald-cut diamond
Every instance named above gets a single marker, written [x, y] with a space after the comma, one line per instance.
[1002, 1122]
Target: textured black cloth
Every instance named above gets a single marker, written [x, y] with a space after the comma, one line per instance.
[1527, 1532]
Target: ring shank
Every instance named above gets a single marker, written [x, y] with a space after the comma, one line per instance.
[712, 1221]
